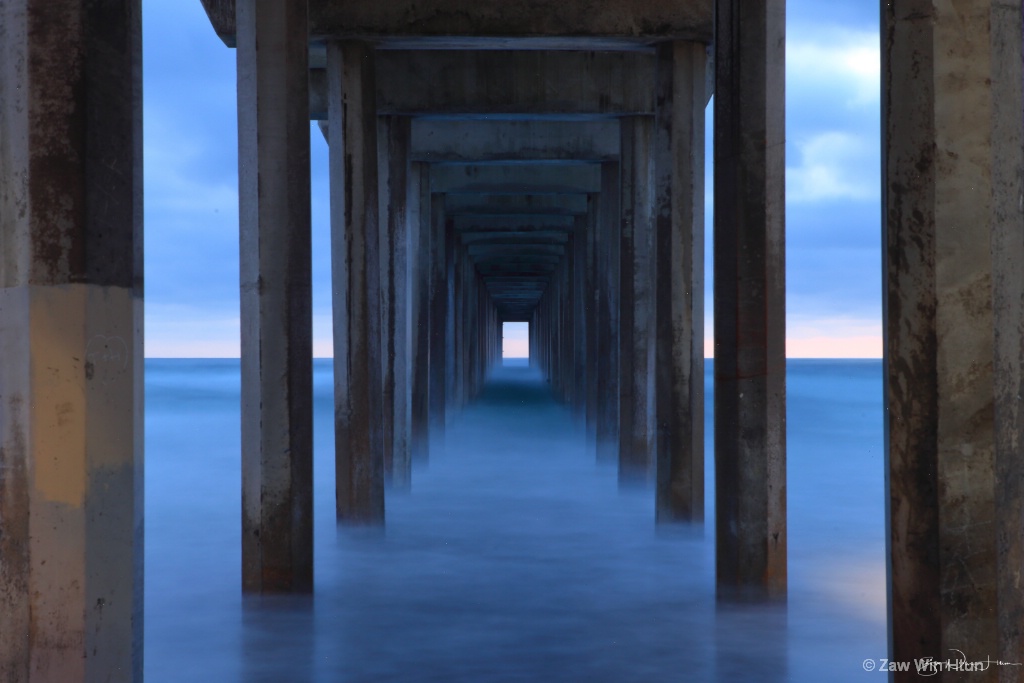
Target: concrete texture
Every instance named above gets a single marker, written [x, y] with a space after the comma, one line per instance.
[582, 24]
[438, 316]
[488, 19]
[71, 373]
[750, 300]
[607, 287]
[532, 83]
[276, 299]
[636, 303]
[953, 165]
[679, 255]
[355, 267]
[419, 298]
[516, 178]
[475, 141]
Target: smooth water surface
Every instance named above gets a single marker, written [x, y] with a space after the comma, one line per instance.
[515, 557]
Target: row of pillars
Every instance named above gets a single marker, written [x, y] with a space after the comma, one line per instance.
[632, 262]
[71, 374]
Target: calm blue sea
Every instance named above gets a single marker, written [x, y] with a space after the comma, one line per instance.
[515, 557]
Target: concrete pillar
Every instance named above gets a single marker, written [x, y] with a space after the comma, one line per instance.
[566, 305]
[679, 254]
[953, 160]
[419, 263]
[393, 184]
[593, 313]
[580, 315]
[276, 297]
[71, 366]
[607, 270]
[636, 304]
[750, 299]
[355, 274]
[438, 321]
[451, 323]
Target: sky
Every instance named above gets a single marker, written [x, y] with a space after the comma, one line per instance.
[833, 230]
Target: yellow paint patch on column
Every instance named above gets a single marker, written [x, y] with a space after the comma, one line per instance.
[83, 348]
[57, 321]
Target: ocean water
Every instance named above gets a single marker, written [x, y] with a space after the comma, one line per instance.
[515, 557]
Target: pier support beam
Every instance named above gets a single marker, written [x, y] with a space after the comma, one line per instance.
[636, 304]
[593, 312]
[393, 188]
[276, 297]
[953, 159]
[679, 254]
[71, 367]
[355, 266]
[419, 264]
[607, 272]
[750, 299]
[438, 277]
[580, 314]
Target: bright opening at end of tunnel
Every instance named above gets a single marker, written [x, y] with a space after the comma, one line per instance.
[515, 340]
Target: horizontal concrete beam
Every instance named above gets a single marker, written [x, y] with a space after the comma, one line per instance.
[524, 223]
[565, 204]
[516, 250]
[514, 82]
[475, 141]
[512, 263]
[516, 179]
[496, 19]
[514, 238]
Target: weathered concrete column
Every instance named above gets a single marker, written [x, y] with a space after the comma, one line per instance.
[593, 313]
[276, 297]
[419, 263]
[679, 254]
[355, 266]
[566, 303]
[750, 299]
[953, 159]
[457, 312]
[393, 186]
[607, 271]
[438, 316]
[71, 367]
[580, 315]
[452, 316]
[636, 322]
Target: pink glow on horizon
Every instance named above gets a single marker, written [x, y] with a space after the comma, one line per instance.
[859, 346]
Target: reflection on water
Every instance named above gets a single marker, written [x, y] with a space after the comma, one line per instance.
[515, 557]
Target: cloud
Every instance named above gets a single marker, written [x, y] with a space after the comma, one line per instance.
[830, 60]
[177, 164]
[833, 165]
